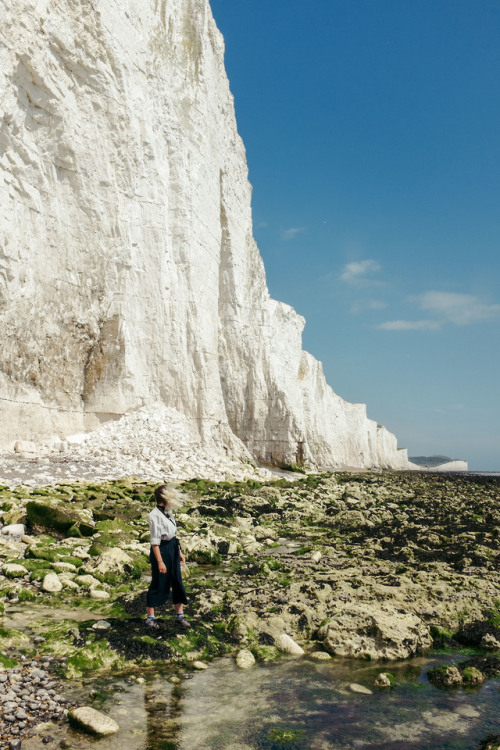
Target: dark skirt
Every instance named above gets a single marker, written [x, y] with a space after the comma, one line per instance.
[161, 583]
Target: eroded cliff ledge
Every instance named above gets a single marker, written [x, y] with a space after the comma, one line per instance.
[128, 270]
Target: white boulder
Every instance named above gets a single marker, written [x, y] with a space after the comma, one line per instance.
[51, 583]
[92, 721]
[245, 659]
[371, 631]
[285, 643]
[14, 529]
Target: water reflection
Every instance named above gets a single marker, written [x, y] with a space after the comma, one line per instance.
[294, 704]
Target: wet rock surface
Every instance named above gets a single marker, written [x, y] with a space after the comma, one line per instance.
[361, 565]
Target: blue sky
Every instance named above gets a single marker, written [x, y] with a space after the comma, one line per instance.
[372, 130]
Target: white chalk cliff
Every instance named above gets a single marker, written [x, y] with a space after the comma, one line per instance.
[128, 270]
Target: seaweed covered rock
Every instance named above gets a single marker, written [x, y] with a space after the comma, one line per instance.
[445, 676]
[47, 518]
[491, 742]
[370, 631]
[13, 570]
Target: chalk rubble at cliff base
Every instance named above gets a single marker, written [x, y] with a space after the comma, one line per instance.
[153, 443]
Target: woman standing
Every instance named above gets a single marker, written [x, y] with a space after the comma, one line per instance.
[166, 558]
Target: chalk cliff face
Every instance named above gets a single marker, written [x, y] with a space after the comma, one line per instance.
[128, 269]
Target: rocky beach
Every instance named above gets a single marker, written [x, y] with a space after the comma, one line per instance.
[373, 568]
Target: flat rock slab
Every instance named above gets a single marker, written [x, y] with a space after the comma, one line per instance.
[374, 631]
[94, 722]
[360, 689]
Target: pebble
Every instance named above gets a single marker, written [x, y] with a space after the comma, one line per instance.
[29, 697]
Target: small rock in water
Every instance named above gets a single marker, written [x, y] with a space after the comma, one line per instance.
[101, 625]
[320, 656]
[92, 721]
[245, 659]
[199, 665]
[360, 689]
[284, 643]
[447, 676]
[382, 680]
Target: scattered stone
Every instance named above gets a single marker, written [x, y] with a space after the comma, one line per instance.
[51, 583]
[68, 582]
[111, 560]
[200, 665]
[87, 581]
[101, 625]
[316, 556]
[94, 722]
[285, 643]
[64, 566]
[26, 539]
[140, 680]
[320, 656]
[14, 529]
[245, 659]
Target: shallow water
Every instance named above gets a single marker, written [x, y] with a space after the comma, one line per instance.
[293, 703]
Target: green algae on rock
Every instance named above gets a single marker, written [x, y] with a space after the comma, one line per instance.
[273, 559]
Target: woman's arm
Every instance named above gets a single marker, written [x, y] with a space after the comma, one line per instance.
[156, 552]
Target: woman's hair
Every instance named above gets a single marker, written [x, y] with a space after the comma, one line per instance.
[167, 494]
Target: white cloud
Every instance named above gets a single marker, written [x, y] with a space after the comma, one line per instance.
[460, 309]
[289, 234]
[367, 304]
[410, 325]
[358, 272]
[446, 307]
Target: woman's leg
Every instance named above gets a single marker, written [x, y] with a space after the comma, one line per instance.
[178, 592]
